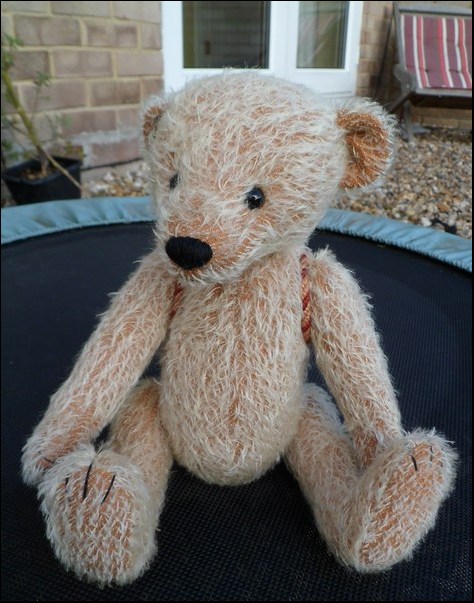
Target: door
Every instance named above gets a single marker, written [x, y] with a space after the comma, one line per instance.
[314, 43]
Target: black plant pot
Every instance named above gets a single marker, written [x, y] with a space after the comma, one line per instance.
[51, 188]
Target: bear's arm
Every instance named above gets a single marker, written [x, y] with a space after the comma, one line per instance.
[349, 356]
[110, 364]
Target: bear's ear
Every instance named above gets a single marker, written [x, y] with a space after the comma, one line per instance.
[152, 113]
[369, 139]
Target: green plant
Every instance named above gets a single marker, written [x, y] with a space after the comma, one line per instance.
[20, 125]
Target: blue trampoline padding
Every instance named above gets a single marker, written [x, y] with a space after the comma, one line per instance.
[26, 221]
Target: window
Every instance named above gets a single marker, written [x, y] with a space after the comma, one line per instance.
[315, 43]
[232, 34]
[322, 35]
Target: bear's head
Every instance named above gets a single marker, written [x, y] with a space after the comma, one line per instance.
[244, 165]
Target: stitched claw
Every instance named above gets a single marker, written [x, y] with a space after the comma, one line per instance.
[108, 490]
[86, 482]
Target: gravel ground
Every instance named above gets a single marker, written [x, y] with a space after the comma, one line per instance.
[429, 183]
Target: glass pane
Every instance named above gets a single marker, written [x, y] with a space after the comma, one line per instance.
[226, 34]
[322, 28]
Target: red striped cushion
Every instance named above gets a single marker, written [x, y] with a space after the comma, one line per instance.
[438, 50]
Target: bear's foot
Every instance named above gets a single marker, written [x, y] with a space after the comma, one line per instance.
[397, 501]
[100, 517]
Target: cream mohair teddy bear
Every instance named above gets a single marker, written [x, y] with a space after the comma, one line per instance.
[242, 168]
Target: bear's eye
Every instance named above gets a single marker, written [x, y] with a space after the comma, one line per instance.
[174, 181]
[255, 198]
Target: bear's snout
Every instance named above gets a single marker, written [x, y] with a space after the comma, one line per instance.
[188, 252]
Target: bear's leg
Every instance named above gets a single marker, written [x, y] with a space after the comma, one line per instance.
[371, 518]
[322, 459]
[102, 507]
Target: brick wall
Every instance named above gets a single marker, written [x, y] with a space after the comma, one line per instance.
[103, 58]
[375, 26]
[377, 58]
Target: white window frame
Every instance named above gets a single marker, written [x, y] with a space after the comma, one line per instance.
[282, 51]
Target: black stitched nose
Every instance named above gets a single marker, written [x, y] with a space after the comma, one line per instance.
[188, 252]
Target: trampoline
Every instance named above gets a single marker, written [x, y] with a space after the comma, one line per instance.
[258, 542]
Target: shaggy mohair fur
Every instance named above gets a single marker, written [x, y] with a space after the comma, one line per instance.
[242, 169]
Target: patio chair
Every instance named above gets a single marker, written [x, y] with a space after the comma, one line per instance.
[434, 69]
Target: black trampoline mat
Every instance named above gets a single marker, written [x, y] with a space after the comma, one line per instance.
[248, 543]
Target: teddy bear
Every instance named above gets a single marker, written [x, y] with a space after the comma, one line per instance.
[242, 168]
